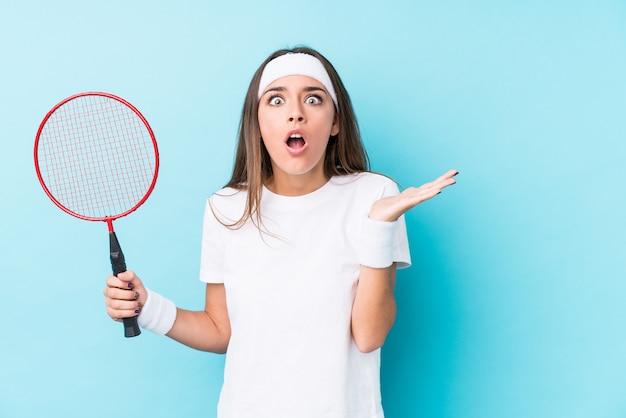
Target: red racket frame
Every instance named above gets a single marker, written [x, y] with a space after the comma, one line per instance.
[108, 219]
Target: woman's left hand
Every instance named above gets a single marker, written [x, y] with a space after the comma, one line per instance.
[391, 208]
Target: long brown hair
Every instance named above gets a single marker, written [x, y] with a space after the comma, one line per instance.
[345, 152]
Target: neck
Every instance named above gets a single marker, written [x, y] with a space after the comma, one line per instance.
[295, 185]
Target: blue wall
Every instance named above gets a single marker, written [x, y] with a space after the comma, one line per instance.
[514, 306]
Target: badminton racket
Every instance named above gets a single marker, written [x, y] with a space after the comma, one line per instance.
[97, 159]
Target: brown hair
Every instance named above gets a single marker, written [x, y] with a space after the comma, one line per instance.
[345, 152]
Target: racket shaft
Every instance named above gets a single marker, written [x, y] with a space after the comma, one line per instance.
[118, 263]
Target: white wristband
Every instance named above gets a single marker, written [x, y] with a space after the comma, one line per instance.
[158, 314]
[375, 244]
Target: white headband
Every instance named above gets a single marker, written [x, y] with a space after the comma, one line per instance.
[296, 64]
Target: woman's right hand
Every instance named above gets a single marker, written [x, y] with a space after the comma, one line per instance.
[124, 295]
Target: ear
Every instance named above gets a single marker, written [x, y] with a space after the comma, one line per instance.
[334, 130]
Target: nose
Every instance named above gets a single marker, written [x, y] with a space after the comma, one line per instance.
[296, 114]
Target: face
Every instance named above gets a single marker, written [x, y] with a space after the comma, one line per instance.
[297, 118]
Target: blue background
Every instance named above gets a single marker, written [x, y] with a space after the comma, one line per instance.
[515, 304]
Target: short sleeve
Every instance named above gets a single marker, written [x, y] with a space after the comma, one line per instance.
[400, 245]
[400, 242]
[211, 257]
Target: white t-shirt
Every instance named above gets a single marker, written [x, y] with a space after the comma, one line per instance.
[289, 296]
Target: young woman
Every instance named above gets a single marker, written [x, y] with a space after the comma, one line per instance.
[299, 254]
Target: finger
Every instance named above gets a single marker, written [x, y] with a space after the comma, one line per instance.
[123, 305]
[114, 281]
[429, 190]
[443, 181]
[447, 178]
[450, 173]
[120, 314]
[120, 308]
[125, 280]
[121, 294]
[128, 276]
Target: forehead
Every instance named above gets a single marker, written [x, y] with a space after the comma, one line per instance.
[295, 82]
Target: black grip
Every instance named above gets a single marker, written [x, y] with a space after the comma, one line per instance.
[131, 327]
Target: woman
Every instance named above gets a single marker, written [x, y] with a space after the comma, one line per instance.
[299, 254]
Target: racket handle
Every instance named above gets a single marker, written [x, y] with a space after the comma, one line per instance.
[118, 263]
[131, 327]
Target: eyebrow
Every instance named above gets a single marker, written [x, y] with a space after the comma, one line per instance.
[306, 89]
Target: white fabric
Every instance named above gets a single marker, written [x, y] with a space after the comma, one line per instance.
[158, 314]
[376, 243]
[296, 64]
[289, 298]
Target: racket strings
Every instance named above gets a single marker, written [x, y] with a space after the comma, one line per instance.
[97, 157]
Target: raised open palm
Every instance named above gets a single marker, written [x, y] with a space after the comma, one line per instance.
[391, 208]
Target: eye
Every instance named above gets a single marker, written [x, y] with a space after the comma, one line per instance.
[313, 100]
[275, 101]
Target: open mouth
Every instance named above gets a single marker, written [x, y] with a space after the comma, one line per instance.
[295, 141]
